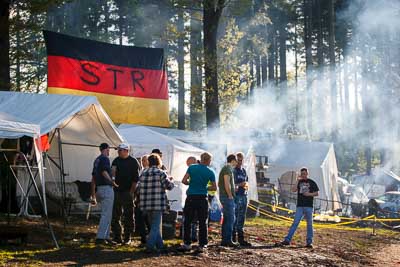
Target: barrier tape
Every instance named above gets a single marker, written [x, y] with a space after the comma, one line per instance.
[338, 226]
[326, 226]
[369, 218]
[292, 211]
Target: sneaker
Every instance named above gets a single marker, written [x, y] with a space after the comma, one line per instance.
[202, 248]
[310, 245]
[185, 248]
[116, 241]
[104, 242]
[127, 242]
[100, 241]
[284, 243]
[244, 243]
[229, 244]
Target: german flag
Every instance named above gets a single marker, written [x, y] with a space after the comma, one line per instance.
[130, 82]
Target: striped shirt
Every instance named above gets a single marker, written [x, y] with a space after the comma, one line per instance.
[153, 183]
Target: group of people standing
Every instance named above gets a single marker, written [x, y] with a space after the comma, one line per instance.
[233, 189]
[131, 193]
[137, 193]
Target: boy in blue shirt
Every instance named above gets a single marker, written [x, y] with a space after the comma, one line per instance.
[197, 178]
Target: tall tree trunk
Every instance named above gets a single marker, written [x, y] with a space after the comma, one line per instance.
[18, 48]
[320, 36]
[271, 54]
[212, 10]
[332, 67]
[258, 70]
[309, 65]
[366, 109]
[196, 100]
[181, 70]
[252, 78]
[264, 70]
[346, 102]
[4, 45]
[282, 59]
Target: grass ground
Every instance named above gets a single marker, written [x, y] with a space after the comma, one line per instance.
[333, 247]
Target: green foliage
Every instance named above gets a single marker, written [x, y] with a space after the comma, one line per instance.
[233, 76]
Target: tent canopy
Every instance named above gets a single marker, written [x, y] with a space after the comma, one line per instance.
[82, 122]
[12, 127]
[143, 141]
[82, 119]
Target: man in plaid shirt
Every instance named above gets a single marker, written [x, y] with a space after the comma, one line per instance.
[153, 199]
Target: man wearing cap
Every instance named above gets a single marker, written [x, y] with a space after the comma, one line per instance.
[125, 169]
[101, 179]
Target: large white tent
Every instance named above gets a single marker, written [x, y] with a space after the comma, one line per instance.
[288, 156]
[76, 126]
[143, 141]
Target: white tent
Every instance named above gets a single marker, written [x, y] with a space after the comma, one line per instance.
[76, 126]
[143, 141]
[12, 127]
[319, 157]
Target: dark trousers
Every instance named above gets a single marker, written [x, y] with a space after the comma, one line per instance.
[142, 224]
[195, 205]
[123, 208]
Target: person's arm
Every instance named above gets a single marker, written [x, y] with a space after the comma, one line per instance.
[313, 194]
[135, 178]
[314, 191]
[185, 179]
[228, 186]
[114, 171]
[106, 167]
[294, 188]
[93, 190]
[166, 183]
[107, 176]
[212, 186]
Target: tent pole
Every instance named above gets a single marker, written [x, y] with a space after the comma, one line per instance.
[41, 199]
[62, 177]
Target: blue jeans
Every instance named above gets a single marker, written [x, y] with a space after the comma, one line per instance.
[307, 212]
[154, 240]
[105, 194]
[240, 214]
[228, 211]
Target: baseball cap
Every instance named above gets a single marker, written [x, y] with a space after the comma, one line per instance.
[156, 151]
[123, 146]
[103, 146]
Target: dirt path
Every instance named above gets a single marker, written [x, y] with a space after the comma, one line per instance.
[333, 247]
[388, 255]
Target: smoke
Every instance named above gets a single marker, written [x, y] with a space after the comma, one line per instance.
[369, 65]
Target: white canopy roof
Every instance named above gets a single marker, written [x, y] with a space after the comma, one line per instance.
[82, 121]
[81, 118]
[13, 127]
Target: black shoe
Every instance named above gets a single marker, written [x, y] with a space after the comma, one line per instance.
[229, 244]
[185, 248]
[244, 243]
[101, 241]
[309, 245]
[234, 238]
[117, 241]
[282, 244]
[201, 248]
[104, 242]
